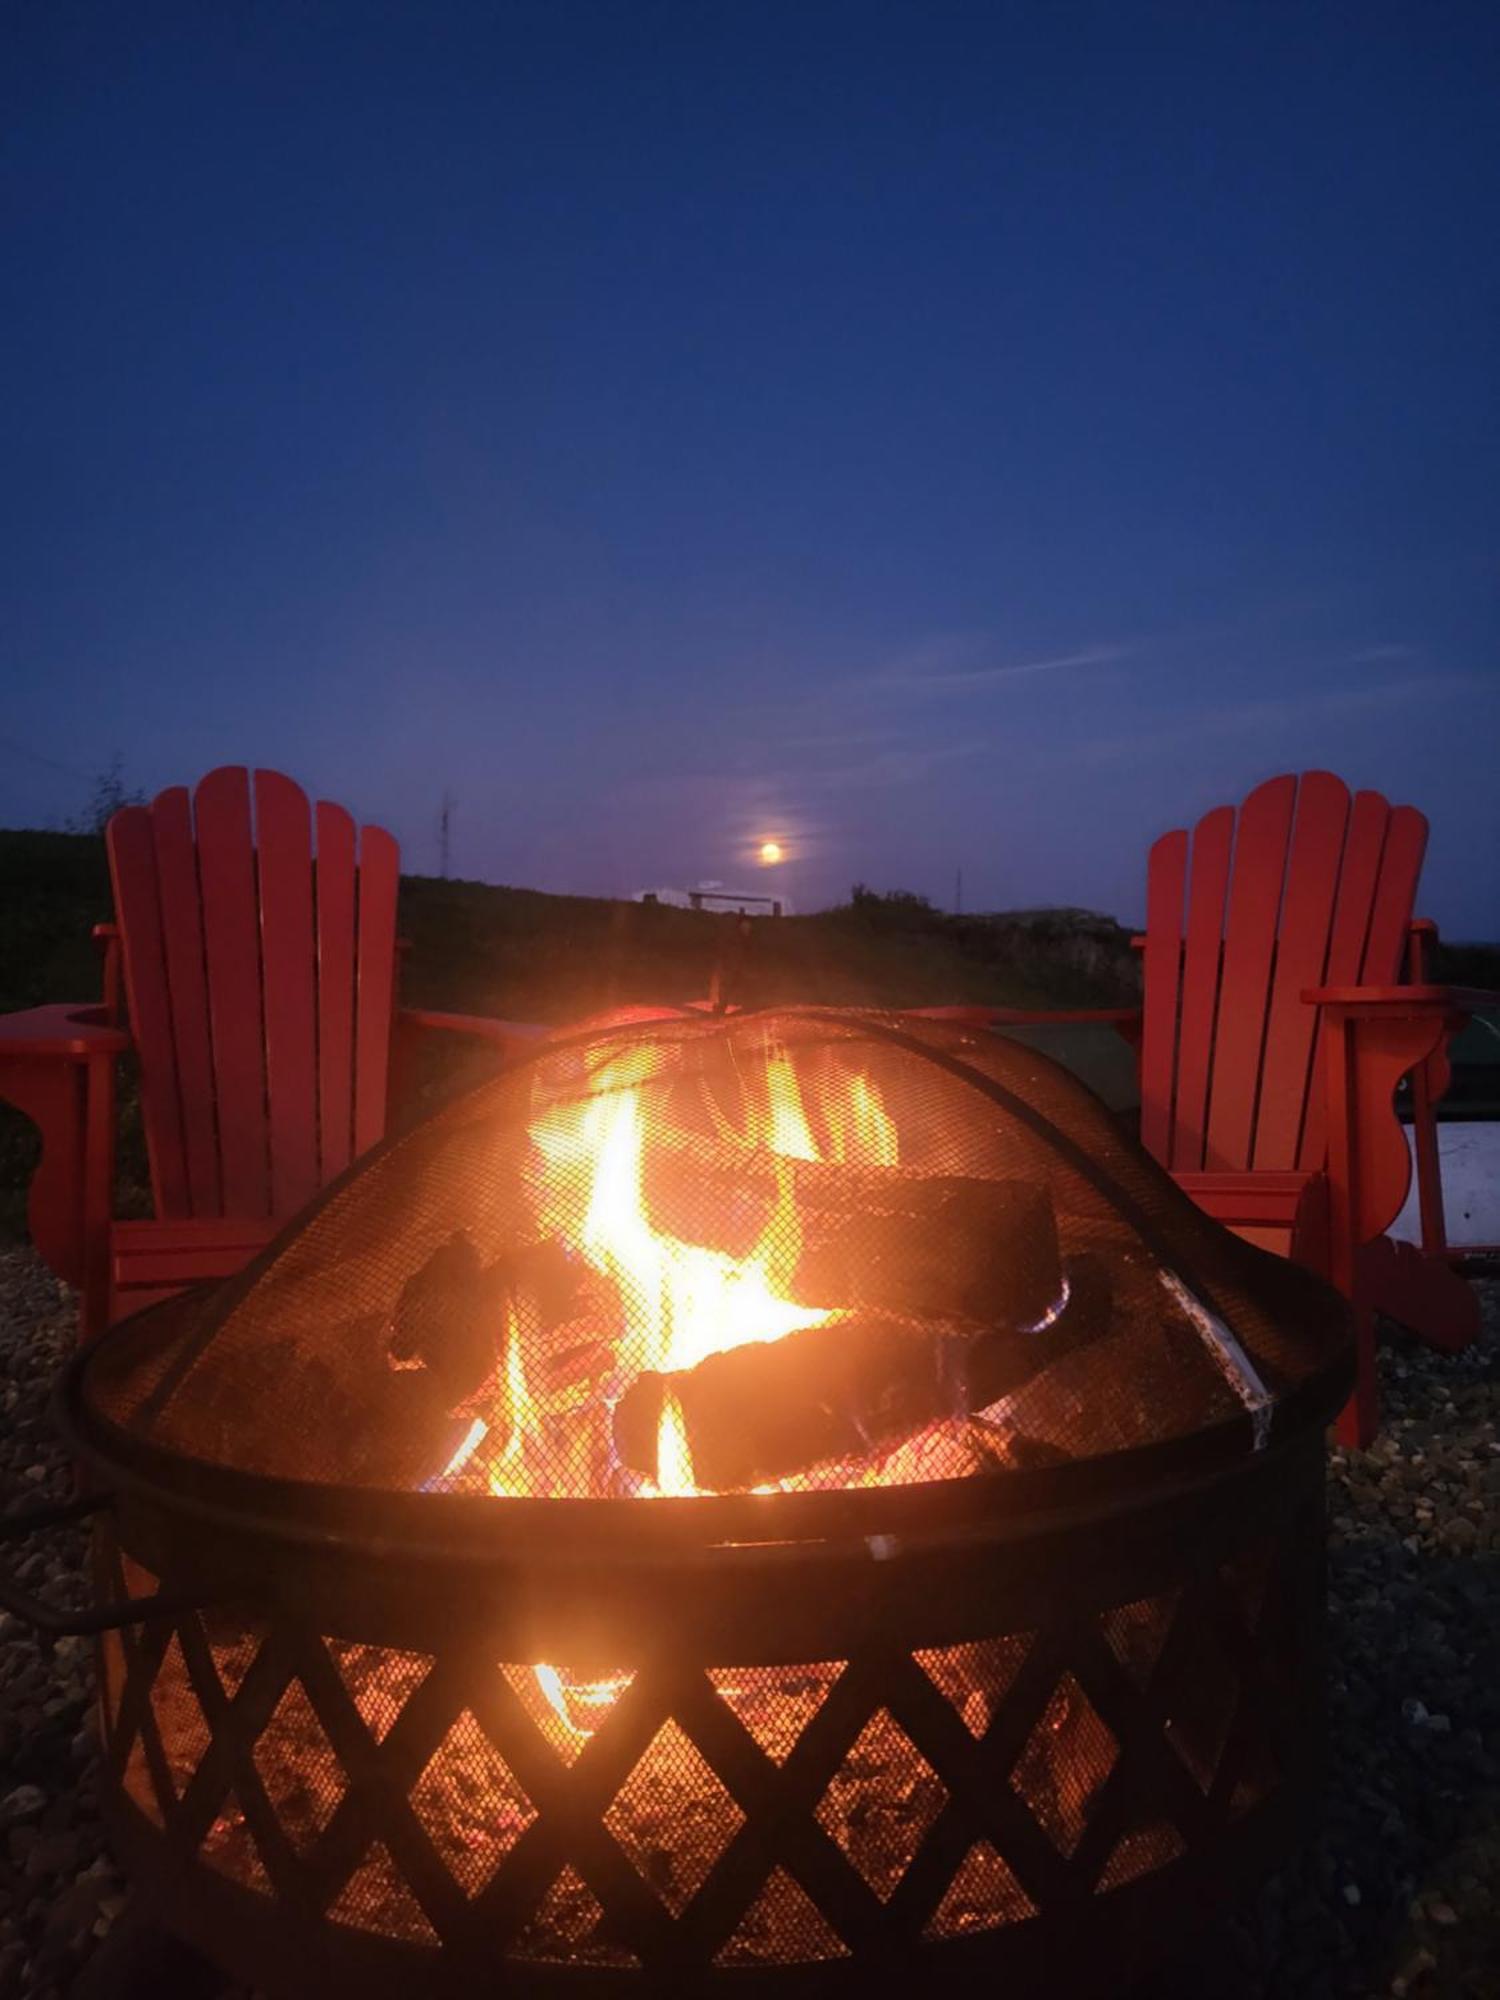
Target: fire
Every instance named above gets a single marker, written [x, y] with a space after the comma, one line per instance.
[678, 1302]
[674, 1459]
[681, 1301]
[862, 1131]
[655, 1301]
[580, 1706]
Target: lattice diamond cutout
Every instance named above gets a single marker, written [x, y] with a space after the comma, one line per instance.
[566, 1928]
[783, 1926]
[776, 1703]
[1063, 1764]
[470, 1805]
[673, 1817]
[881, 1801]
[233, 1648]
[566, 1708]
[299, 1768]
[976, 1676]
[983, 1895]
[381, 1680]
[1136, 1633]
[376, 1898]
[229, 1847]
[180, 1720]
[1139, 1852]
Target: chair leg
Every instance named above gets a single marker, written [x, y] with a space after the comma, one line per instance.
[1359, 1419]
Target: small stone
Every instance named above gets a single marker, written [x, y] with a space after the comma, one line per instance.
[25, 1802]
[1414, 1711]
[1442, 1913]
[1351, 1894]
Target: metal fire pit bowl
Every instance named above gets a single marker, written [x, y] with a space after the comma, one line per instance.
[974, 1631]
[1031, 1727]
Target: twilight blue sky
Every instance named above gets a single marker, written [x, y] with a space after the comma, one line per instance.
[935, 436]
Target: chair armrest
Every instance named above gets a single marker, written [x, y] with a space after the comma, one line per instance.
[517, 1035]
[57, 1067]
[1041, 1017]
[71, 1030]
[1389, 1001]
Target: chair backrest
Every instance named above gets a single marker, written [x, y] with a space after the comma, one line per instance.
[260, 984]
[1302, 887]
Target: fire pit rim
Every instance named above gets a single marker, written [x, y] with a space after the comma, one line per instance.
[380, 1520]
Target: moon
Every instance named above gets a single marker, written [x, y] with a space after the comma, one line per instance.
[770, 851]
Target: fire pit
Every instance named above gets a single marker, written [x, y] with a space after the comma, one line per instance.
[772, 1500]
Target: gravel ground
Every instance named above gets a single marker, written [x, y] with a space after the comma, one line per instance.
[1398, 1894]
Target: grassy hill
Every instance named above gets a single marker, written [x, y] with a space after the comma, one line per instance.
[517, 953]
[480, 949]
[527, 956]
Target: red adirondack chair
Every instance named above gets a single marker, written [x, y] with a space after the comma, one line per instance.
[260, 990]
[1274, 1033]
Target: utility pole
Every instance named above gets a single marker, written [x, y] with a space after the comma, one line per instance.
[445, 830]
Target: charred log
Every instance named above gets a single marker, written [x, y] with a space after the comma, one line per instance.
[448, 1320]
[944, 1248]
[452, 1314]
[771, 1409]
[874, 1239]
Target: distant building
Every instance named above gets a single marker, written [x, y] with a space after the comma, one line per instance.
[714, 896]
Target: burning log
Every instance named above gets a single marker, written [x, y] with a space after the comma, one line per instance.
[769, 1409]
[772, 1407]
[448, 1320]
[946, 1248]
[875, 1239]
[452, 1313]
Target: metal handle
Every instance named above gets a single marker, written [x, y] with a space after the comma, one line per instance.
[61, 1620]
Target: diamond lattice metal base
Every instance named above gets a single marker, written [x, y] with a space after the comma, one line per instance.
[999, 1749]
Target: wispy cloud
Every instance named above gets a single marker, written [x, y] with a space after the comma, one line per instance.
[1246, 717]
[890, 768]
[957, 665]
[1381, 656]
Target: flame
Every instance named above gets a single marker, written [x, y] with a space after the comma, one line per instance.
[862, 1132]
[682, 1301]
[668, 1304]
[473, 1437]
[788, 1131]
[580, 1706]
[507, 1469]
[674, 1458]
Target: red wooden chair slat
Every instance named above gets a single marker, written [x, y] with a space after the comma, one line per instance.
[132, 868]
[1166, 882]
[1395, 897]
[1363, 846]
[187, 983]
[226, 864]
[261, 988]
[379, 867]
[283, 840]
[1260, 852]
[335, 923]
[1301, 961]
[1201, 958]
